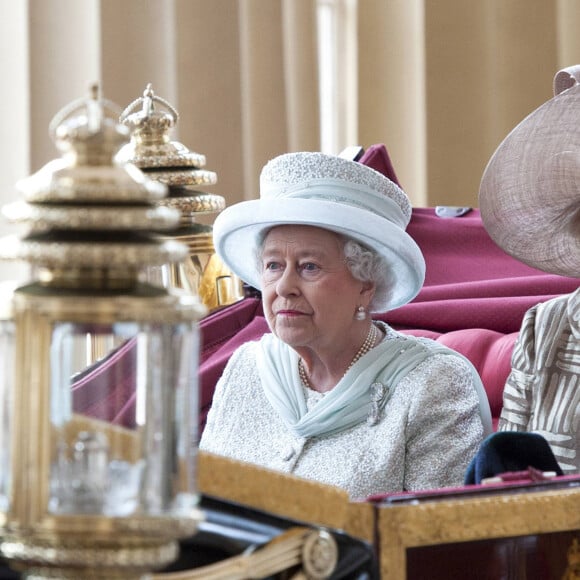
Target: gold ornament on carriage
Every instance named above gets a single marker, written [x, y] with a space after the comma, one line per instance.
[150, 119]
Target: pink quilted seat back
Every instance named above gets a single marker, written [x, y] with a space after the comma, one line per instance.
[490, 353]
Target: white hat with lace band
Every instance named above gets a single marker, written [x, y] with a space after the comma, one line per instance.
[332, 193]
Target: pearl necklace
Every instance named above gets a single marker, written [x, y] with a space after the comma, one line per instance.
[366, 346]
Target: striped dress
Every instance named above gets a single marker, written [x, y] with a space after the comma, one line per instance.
[542, 392]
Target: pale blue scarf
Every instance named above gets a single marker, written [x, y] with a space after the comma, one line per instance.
[348, 403]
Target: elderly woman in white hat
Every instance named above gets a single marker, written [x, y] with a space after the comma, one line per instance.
[330, 394]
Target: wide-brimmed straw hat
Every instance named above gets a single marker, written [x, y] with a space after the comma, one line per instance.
[529, 195]
[332, 193]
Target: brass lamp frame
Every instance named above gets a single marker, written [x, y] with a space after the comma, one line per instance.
[92, 228]
[55, 543]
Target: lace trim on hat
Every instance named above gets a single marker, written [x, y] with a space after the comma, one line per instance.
[305, 167]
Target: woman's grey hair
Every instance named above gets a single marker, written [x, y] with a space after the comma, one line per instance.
[367, 265]
[363, 263]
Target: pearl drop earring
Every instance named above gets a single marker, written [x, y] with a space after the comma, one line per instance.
[360, 313]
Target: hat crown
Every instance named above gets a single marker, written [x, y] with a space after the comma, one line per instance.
[315, 175]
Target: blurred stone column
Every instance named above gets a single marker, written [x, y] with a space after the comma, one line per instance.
[392, 87]
[138, 46]
[63, 41]
[568, 37]
[489, 64]
[301, 75]
[209, 89]
[263, 99]
[48, 58]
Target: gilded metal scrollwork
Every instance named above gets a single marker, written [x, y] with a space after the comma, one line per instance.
[573, 568]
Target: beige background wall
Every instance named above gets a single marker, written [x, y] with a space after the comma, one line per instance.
[441, 82]
[483, 77]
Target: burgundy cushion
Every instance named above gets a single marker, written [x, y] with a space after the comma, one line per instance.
[470, 282]
[377, 157]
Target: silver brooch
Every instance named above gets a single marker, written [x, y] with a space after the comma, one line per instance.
[377, 396]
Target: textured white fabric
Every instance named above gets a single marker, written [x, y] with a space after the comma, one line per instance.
[429, 430]
[295, 173]
[542, 392]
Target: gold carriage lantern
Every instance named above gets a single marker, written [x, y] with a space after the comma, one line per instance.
[99, 401]
[150, 120]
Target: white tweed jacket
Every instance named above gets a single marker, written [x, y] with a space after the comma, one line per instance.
[542, 391]
[429, 430]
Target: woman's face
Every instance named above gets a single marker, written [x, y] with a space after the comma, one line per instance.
[309, 294]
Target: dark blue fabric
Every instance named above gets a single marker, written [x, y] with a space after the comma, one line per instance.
[510, 451]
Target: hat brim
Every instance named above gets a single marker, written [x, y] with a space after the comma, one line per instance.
[528, 195]
[238, 231]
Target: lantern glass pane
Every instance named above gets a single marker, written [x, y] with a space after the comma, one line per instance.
[124, 411]
[6, 401]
